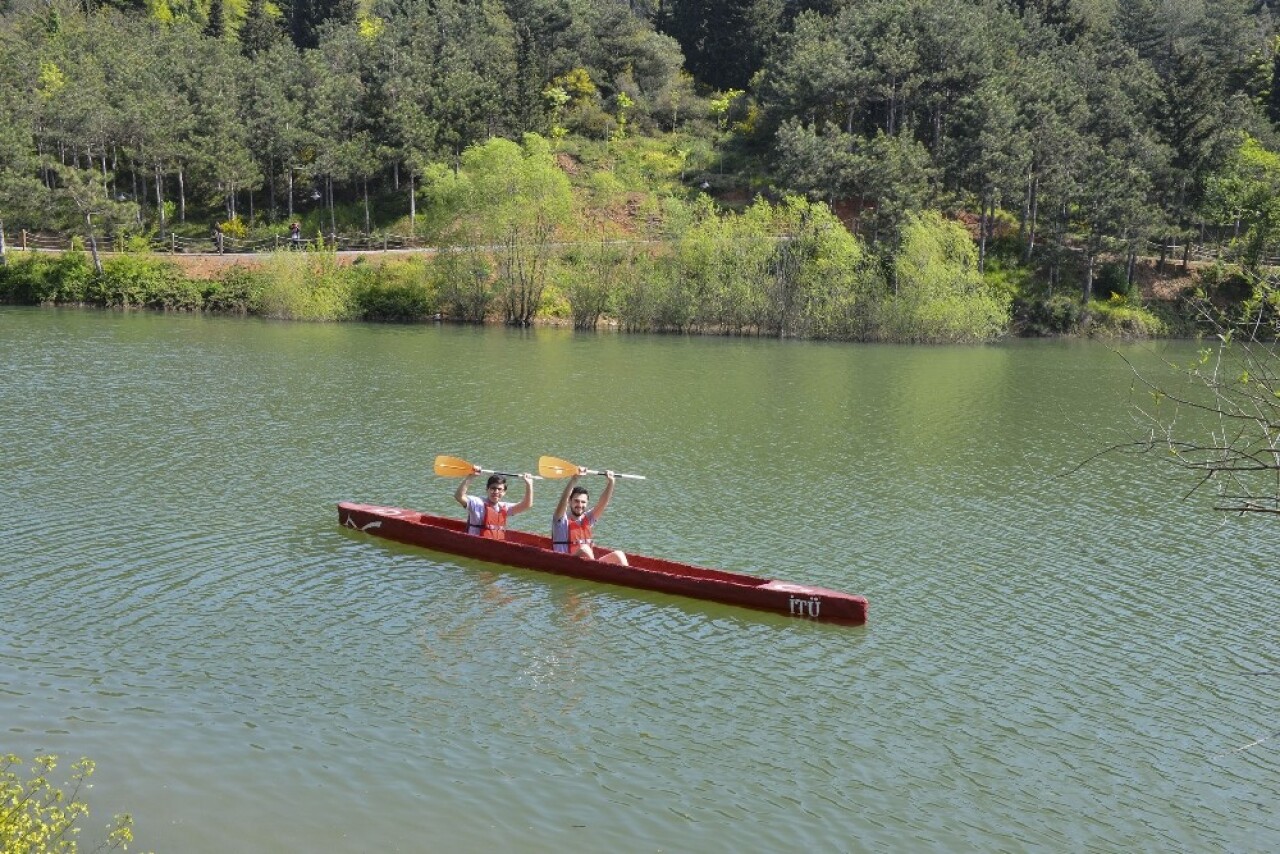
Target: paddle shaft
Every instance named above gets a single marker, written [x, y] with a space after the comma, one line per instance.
[615, 474]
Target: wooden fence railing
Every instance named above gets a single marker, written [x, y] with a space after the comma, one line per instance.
[177, 244]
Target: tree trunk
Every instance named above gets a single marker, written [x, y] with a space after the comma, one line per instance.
[93, 242]
[182, 196]
[333, 221]
[982, 237]
[1032, 205]
[290, 217]
[413, 204]
[159, 198]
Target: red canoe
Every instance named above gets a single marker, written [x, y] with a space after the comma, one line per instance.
[532, 551]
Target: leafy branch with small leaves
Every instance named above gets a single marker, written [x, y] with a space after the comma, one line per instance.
[1220, 420]
[38, 817]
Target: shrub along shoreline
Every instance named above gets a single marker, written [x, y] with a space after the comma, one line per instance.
[622, 288]
[727, 275]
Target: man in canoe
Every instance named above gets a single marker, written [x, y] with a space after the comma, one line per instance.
[487, 516]
[571, 525]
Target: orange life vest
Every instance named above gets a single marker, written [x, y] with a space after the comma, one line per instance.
[493, 525]
[579, 532]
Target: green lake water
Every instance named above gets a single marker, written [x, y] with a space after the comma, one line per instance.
[1056, 660]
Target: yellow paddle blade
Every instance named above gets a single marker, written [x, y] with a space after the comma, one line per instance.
[453, 467]
[554, 468]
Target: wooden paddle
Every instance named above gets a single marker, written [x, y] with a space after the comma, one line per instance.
[557, 469]
[458, 467]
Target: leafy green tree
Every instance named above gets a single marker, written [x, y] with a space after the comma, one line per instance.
[20, 188]
[515, 200]
[1194, 51]
[338, 122]
[219, 142]
[940, 297]
[811, 78]
[37, 817]
[994, 154]
[81, 192]
[821, 284]
[157, 91]
[818, 165]
[271, 107]
[722, 266]
[1049, 109]
[1112, 202]
[1245, 196]
[896, 174]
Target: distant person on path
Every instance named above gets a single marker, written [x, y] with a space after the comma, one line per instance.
[488, 516]
[295, 235]
[572, 522]
[219, 239]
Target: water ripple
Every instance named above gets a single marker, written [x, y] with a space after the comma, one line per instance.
[1052, 662]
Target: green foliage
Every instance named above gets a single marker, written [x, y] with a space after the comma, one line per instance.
[37, 817]
[820, 281]
[145, 281]
[237, 290]
[1226, 285]
[514, 198]
[1059, 314]
[1098, 129]
[234, 227]
[307, 286]
[394, 291]
[1118, 318]
[652, 299]
[1245, 195]
[591, 278]
[465, 283]
[32, 278]
[1112, 280]
[939, 295]
[775, 269]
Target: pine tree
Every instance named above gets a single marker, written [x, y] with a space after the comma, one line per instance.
[216, 27]
[259, 31]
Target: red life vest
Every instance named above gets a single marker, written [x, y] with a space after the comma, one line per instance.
[493, 525]
[579, 532]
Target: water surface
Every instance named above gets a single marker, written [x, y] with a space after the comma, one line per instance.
[1053, 661]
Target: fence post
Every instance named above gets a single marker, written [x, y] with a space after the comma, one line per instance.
[173, 243]
[24, 240]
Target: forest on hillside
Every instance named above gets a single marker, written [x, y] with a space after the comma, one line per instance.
[1063, 132]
